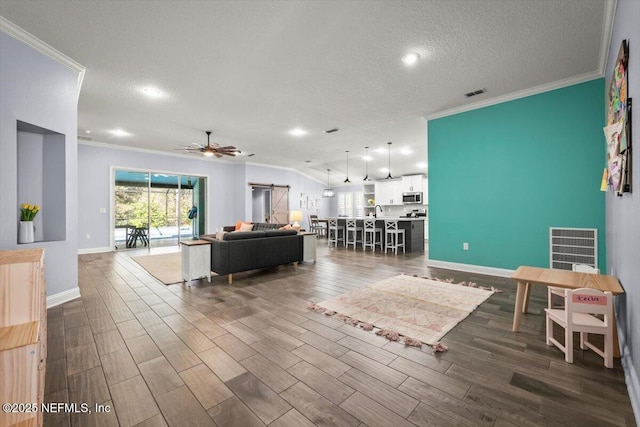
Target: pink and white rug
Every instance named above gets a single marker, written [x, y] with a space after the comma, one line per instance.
[420, 309]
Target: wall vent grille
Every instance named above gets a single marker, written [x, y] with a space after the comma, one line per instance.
[568, 246]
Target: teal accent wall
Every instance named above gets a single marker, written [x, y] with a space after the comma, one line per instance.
[500, 176]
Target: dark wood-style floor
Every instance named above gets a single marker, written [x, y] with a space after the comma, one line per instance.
[251, 354]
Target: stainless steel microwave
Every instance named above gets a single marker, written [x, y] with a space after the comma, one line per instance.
[412, 198]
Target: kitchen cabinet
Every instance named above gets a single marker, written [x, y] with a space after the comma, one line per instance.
[413, 184]
[426, 229]
[369, 194]
[388, 193]
[425, 191]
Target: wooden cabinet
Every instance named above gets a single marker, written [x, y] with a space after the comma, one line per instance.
[23, 334]
[196, 259]
[413, 184]
[309, 243]
[388, 193]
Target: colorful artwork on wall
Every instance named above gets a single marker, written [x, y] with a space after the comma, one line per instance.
[617, 132]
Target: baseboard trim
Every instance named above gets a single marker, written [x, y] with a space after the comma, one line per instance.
[62, 297]
[631, 378]
[470, 268]
[94, 250]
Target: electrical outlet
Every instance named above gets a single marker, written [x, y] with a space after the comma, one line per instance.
[465, 246]
[87, 236]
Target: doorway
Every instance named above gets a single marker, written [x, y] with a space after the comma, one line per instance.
[270, 203]
[154, 208]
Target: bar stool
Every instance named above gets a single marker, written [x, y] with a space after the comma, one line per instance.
[372, 235]
[352, 233]
[392, 236]
[334, 232]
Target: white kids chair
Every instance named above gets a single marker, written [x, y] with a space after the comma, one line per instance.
[580, 306]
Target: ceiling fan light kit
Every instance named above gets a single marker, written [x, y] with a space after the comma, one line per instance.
[211, 149]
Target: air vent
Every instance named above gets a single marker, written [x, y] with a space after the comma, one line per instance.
[568, 246]
[332, 130]
[474, 93]
[85, 138]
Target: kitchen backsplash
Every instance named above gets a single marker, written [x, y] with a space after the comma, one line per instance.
[395, 211]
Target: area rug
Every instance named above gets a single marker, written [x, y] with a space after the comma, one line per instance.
[167, 268]
[419, 310]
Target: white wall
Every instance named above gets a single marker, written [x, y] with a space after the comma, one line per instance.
[41, 91]
[299, 183]
[94, 173]
[228, 192]
[623, 213]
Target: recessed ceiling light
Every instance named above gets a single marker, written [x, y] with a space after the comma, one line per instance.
[307, 161]
[87, 131]
[119, 133]
[384, 170]
[406, 151]
[380, 150]
[297, 132]
[421, 165]
[367, 158]
[411, 58]
[332, 130]
[151, 92]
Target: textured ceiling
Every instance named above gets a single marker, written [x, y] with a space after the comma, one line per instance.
[252, 70]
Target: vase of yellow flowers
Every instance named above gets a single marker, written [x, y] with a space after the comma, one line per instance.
[27, 214]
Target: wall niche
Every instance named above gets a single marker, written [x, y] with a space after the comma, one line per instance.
[41, 179]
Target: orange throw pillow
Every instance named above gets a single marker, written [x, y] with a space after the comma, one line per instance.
[243, 226]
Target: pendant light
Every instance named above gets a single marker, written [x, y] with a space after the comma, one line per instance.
[328, 192]
[389, 176]
[347, 180]
[366, 165]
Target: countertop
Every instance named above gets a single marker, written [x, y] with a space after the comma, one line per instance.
[399, 218]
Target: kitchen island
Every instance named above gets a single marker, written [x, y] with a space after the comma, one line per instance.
[413, 230]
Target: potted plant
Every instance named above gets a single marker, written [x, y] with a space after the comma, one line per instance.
[27, 214]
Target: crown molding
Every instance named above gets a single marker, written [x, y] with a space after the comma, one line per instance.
[607, 31]
[29, 39]
[519, 94]
[287, 169]
[149, 151]
[182, 156]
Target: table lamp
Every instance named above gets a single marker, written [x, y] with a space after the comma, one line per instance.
[295, 217]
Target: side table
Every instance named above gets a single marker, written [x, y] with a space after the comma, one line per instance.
[309, 241]
[196, 259]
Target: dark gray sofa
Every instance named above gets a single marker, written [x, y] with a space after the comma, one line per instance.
[251, 250]
[257, 226]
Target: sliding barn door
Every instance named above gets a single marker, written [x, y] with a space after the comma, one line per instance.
[279, 205]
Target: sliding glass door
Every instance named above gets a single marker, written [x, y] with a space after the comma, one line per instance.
[156, 208]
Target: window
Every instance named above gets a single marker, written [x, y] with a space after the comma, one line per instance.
[351, 204]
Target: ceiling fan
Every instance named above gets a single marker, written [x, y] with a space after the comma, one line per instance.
[211, 149]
